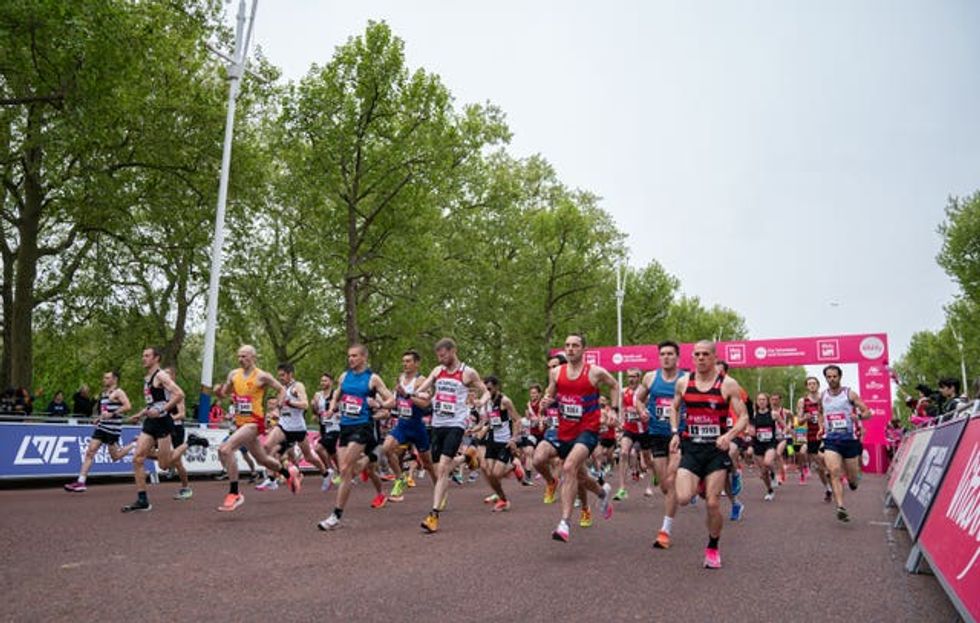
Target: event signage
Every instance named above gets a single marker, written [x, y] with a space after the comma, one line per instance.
[38, 450]
[929, 474]
[917, 447]
[950, 538]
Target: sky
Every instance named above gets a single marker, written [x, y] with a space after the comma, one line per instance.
[790, 160]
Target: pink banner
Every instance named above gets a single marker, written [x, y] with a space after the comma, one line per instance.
[869, 351]
[951, 535]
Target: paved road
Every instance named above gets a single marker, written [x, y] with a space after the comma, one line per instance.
[69, 556]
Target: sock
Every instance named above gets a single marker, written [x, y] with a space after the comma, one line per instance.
[668, 524]
[435, 511]
[713, 541]
[81, 479]
[339, 512]
[141, 496]
[233, 488]
[284, 472]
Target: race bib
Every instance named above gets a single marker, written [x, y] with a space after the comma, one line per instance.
[243, 405]
[632, 415]
[351, 406]
[763, 434]
[703, 428]
[801, 434]
[570, 407]
[403, 407]
[444, 404]
[495, 420]
[837, 421]
[662, 409]
[147, 394]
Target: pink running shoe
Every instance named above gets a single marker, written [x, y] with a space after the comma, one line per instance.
[76, 487]
[712, 558]
[295, 480]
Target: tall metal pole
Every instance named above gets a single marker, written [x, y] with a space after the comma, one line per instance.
[620, 296]
[959, 345]
[235, 70]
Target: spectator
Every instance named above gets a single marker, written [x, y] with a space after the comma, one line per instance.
[894, 432]
[923, 409]
[952, 399]
[7, 401]
[82, 402]
[23, 403]
[58, 406]
[216, 415]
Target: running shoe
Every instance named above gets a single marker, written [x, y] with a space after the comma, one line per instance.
[329, 523]
[712, 558]
[137, 506]
[364, 475]
[738, 509]
[561, 532]
[388, 477]
[379, 500]
[336, 480]
[224, 476]
[578, 502]
[409, 482]
[842, 514]
[519, 470]
[76, 487]
[252, 479]
[802, 478]
[398, 489]
[769, 496]
[527, 482]
[648, 492]
[827, 495]
[736, 482]
[267, 485]
[853, 485]
[490, 499]
[295, 480]
[585, 517]
[605, 502]
[232, 501]
[184, 493]
[473, 476]
[431, 523]
[501, 506]
[457, 478]
[663, 540]
[197, 440]
[621, 494]
[327, 481]
[549, 493]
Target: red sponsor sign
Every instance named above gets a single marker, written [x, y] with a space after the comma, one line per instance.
[951, 535]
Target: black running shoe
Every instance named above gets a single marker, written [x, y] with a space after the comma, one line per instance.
[827, 494]
[137, 506]
[842, 514]
[196, 440]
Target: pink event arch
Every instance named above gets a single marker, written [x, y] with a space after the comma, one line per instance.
[868, 351]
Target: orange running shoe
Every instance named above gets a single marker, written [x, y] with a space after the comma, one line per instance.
[431, 523]
[663, 541]
[232, 501]
[379, 500]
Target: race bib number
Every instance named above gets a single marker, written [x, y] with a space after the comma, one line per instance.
[403, 407]
[495, 419]
[352, 405]
[147, 394]
[763, 434]
[632, 415]
[704, 431]
[837, 421]
[662, 409]
[444, 404]
[243, 406]
[800, 434]
[570, 407]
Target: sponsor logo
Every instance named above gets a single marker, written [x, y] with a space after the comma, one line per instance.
[760, 352]
[865, 458]
[964, 507]
[873, 385]
[44, 450]
[872, 347]
[828, 350]
[735, 353]
[873, 371]
[617, 358]
[592, 357]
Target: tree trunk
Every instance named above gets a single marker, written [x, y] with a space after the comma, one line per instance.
[350, 280]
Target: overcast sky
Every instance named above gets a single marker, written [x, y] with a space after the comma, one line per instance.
[775, 156]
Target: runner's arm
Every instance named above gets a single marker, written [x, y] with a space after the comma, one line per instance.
[602, 377]
[675, 409]
[176, 393]
[221, 390]
[864, 413]
[640, 399]
[551, 390]
[429, 381]
[378, 385]
[267, 380]
[420, 399]
[301, 401]
[336, 393]
[731, 388]
[123, 399]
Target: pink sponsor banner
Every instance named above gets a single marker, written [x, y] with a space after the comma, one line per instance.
[868, 350]
[950, 537]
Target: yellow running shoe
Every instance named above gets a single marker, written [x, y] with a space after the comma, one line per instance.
[549, 493]
[431, 523]
[410, 481]
[585, 518]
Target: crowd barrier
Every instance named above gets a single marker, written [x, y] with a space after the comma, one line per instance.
[935, 484]
[53, 450]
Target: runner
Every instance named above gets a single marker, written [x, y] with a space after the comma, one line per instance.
[574, 386]
[113, 403]
[706, 396]
[409, 431]
[181, 442]
[358, 436]
[247, 385]
[162, 396]
[546, 452]
[740, 443]
[655, 398]
[290, 430]
[783, 434]
[842, 411]
[762, 428]
[449, 385]
[604, 454]
[326, 445]
[802, 457]
[633, 430]
[501, 446]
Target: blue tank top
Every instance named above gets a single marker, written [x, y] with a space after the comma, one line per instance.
[354, 392]
[659, 400]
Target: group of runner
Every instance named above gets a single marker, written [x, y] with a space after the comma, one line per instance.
[690, 430]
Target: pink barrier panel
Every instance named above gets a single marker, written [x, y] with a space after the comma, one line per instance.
[950, 538]
[868, 351]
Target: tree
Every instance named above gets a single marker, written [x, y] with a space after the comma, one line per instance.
[960, 253]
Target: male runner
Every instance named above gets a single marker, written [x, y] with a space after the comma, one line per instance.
[247, 385]
[162, 397]
[809, 408]
[501, 442]
[574, 386]
[546, 452]
[740, 443]
[655, 398]
[113, 403]
[448, 385]
[180, 441]
[842, 411]
[291, 427]
[409, 430]
[605, 453]
[706, 396]
[326, 446]
[355, 387]
[633, 430]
